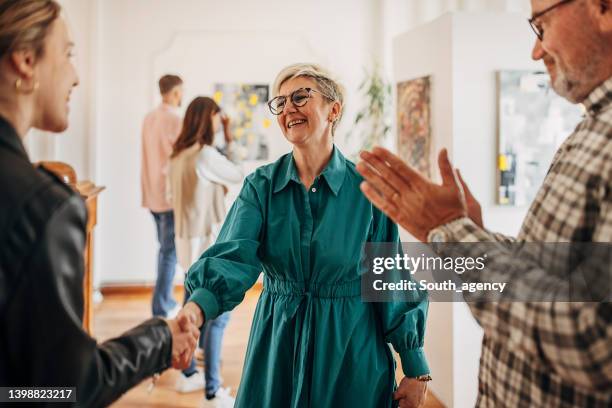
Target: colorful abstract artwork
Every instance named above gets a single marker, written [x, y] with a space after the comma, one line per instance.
[250, 119]
[533, 122]
[414, 123]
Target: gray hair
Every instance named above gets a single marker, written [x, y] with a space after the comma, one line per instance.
[331, 88]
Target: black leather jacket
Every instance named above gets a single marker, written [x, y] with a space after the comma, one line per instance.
[42, 343]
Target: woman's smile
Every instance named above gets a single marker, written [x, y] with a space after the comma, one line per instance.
[295, 122]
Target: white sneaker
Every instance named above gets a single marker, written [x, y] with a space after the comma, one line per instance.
[194, 382]
[223, 399]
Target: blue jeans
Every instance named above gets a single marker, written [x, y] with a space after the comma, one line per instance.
[211, 339]
[163, 298]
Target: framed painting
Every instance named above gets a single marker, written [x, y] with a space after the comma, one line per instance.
[245, 104]
[533, 121]
[414, 123]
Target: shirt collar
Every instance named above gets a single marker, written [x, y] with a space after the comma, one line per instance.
[333, 173]
[10, 138]
[600, 99]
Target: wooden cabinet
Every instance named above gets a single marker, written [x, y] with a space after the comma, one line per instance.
[89, 191]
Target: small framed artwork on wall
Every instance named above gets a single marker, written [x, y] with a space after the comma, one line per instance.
[250, 123]
[414, 123]
[533, 121]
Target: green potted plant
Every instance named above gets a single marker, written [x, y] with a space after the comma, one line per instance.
[372, 122]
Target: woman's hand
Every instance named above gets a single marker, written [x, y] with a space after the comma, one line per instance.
[192, 311]
[184, 341]
[411, 393]
[227, 131]
[225, 120]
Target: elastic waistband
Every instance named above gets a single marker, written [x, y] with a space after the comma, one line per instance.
[313, 289]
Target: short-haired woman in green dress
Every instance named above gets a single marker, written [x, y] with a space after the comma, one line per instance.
[302, 221]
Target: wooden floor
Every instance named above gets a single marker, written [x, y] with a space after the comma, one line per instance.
[118, 312]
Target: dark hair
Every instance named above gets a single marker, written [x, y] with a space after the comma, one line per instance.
[197, 125]
[25, 24]
[168, 82]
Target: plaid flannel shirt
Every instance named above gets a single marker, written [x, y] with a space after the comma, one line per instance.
[552, 354]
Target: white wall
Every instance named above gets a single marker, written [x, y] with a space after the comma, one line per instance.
[399, 16]
[462, 52]
[341, 33]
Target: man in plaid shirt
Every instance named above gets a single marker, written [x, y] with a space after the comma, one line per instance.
[546, 354]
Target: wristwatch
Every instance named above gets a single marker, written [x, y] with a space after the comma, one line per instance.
[424, 378]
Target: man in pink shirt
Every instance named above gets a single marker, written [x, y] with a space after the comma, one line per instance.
[160, 129]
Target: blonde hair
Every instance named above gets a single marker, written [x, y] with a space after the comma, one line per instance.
[331, 88]
[25, 24]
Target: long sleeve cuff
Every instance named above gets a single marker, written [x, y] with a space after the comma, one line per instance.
[460, 230]
[207, 302]
[414, 362]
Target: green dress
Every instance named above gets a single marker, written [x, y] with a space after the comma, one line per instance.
[313, 342]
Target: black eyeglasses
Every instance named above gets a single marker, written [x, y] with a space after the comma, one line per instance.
[299, 98]
[535, 26]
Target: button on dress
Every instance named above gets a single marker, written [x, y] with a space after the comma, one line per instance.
[313, 341]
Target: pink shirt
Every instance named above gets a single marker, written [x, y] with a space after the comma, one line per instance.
[160, 129]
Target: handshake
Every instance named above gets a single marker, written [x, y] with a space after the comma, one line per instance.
[185, 329]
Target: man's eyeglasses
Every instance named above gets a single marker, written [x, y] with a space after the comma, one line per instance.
[535, 25]
[299, 98]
